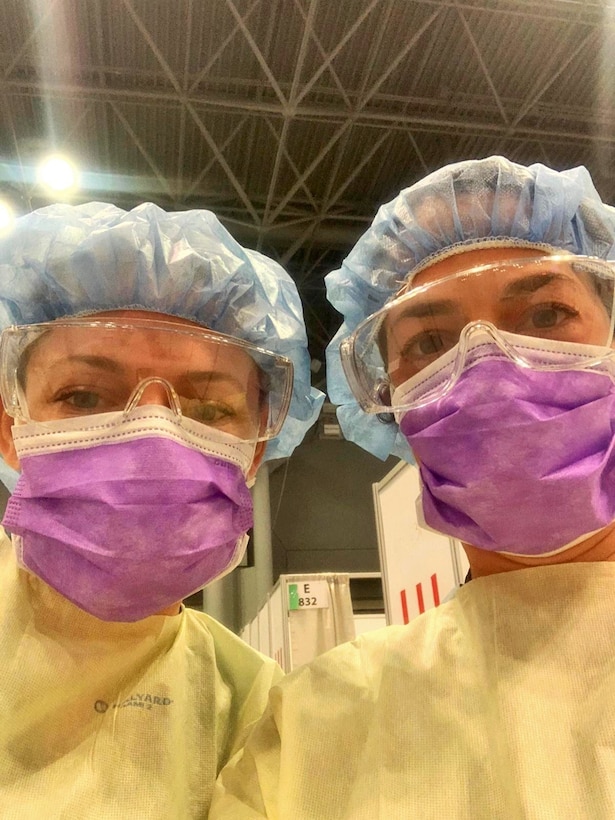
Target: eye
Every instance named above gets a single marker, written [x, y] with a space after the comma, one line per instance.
[547, 317]
[209, 412]
[80, 399]
[429, 343]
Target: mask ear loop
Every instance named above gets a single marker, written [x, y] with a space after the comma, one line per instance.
[137, 395]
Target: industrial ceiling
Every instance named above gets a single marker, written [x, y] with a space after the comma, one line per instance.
[294, 119]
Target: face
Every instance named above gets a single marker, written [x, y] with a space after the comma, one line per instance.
[75, 372]
[546, 300]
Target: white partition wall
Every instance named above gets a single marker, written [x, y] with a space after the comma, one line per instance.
[303, 616]
[419, 567]
[278, 631]
[264, 641]
[368, 622]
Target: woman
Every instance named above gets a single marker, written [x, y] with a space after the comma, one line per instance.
[478, 329]
[147, 369]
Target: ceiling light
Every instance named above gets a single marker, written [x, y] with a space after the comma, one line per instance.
[7, 215]
[58, 174]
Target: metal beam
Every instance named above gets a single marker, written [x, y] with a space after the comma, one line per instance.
[395, 62]
[340, 152]
[483, 65]
[84, 110]
[367, 69]
[339, 47]
[273, 181]
[256, 51]
[427, 52]
[144, 31]
[544, 86]
[375, 48]
[299, 241]
[204, 171]
[221, 49]
[181, 148]
[359, 168]
[311, 167]
[323, 55]
[316, 263]
[562, 66]
[393, 120]
[293, 167]
[222, 161]
[102, 80]
[142, 150]
[536, 11]
[41, 21]
[191, 110]
[418, 151]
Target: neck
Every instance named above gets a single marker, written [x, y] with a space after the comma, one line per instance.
[174, 609]
[598, 547]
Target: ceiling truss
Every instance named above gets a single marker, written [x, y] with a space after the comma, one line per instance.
[293, 121]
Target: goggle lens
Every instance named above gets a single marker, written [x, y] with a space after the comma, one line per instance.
[77, 368]
[563, 298]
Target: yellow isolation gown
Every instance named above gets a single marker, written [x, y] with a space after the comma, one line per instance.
[116, 720]
[498, 705]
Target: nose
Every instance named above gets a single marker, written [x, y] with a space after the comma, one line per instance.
[154, 390]
[480, 327]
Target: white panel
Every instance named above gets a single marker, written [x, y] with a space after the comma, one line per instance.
[419, 567]
[315, 629]
[263, 630]
[462, 561]
[367, 623]
[277, 625]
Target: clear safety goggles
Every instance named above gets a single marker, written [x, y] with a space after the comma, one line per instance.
[562, 298]
[81, 367]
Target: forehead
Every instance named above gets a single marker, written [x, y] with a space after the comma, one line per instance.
[155, 350]
[471, 259]
[126, 313]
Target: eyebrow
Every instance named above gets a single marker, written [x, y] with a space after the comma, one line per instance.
[420, 310]
[215, 376]
[112, 366]
[448, 307]
[530, 284]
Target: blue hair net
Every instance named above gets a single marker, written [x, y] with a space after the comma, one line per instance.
[459, 205]
[67, 260]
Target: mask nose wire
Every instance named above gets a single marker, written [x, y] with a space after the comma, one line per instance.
[137, 394]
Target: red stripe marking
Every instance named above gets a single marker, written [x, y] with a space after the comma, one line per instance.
[419, 596]
[434, 586]
[404, 607]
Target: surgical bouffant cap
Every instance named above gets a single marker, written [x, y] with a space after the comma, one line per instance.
[458, 206]
[67, 260]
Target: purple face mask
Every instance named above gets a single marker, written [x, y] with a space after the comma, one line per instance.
[517, 460]
[127, 528]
